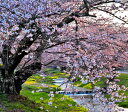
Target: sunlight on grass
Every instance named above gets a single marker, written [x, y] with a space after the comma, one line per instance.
[36, 96]
[54, 103]
[87, 86]
[30, 82]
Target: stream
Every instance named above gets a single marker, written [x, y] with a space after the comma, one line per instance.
[85, 97]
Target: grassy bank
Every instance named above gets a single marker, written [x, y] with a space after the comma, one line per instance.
[122, 77]
[42, 91]
[124, 81]
[17, 104]
[38, 95]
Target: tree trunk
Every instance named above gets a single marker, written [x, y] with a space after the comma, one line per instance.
[7, 84]
[11, 83]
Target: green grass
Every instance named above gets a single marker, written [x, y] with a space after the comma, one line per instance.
[51, 71]
[79, 83]
[34, 101]
[17, 103]
[31, 100]
[87, 86]
[60, 103]
[101, 82]
[55, 72]
[124, 81]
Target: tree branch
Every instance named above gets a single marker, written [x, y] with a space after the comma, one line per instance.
[111, 14]
[25, 43]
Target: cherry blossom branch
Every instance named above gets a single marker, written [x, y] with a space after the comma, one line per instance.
[111, 14]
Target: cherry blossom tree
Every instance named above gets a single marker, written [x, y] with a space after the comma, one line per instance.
[28, 28]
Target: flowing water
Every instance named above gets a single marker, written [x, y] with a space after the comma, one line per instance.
[87, 100]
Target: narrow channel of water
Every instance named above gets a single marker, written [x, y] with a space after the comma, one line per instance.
[86, 100]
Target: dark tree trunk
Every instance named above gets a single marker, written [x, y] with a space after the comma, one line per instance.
[7, 84]
[12, 83]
